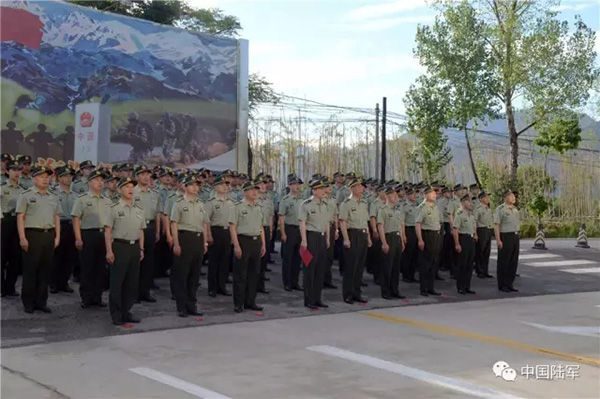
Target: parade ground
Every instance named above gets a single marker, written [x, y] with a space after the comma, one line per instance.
[540, 342]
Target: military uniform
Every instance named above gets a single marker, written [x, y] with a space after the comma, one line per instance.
[485, 222]
[288, 208]
[248, 221]
[66, 257]
[448, 253]
[374, 254]
[389, 274]
[464, 222]
[91, 209]
[268, 212]
[11, 250]
[429, 218]
[190, 217]
[332, 212]
[411, 249]
[80, 186]
[126, 223]
[39, 212]
[508, 220]
[315, 214]
[26, 181]
[149, 201]
[219, 213]
[356, 215]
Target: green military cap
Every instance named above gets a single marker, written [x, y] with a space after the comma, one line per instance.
[86, 164]
[389, 189]
[337, 174]
[126, 167]
[381, 187]
[248, 186]
[351, 175]
[13, 164]
[445, 190]
[316, 176]
[125, 181]
[317, 183]
[7, 157]
[142, 169]
[465, 197]
[164, 172]
[474, 185]
[181, 177]
[259, 179]
[482, 195]
[189, 180]
[355, 182]
[242, 176]
[24, 159]
[235, 174]
[40, 170]
[95, 173]
[63, 171]
[110, 177]
[269, 177]
[410, 191]
[400, 188]
[507, 192]
[295, 180]
[458, 187]
[220, 180]
[427, 189]
[259, 175]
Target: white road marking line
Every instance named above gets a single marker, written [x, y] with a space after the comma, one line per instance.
[421, 375]
[574, 262]
[588, 270]
[177, 383]
[532, 256]
[586, 331]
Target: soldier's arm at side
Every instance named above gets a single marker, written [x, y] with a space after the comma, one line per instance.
[303, 242]
[263, 245]
[157, 223]
[141, 238]
[21, 230]
[455, 235]
[381, 229]
[497, 228]
[282, 228]
[56, 229]
[110, 257]
[237, 250]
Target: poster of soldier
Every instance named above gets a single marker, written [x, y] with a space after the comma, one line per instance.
[172, 93]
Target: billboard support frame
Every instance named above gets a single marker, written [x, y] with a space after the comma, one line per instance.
[243, 106]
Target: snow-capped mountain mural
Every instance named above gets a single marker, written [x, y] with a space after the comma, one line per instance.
[55, 55]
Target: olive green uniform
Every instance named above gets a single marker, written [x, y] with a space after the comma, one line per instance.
[411, 250]
[26, 181]
[91, 210]
[316, 216]
[126, 222]
[149, 201]
[185, 272]
[332, 211]
[374, 254]
[508, 220]
[219, 213]
[268, 207]
[288, 208]
[80, 186]
[39, 210]
[391, 218]
[356, 215]
[66, 257]
[464, 222]
[448, 254]
[11, 249]
[248, 220]
[429, 218]
[483, 246]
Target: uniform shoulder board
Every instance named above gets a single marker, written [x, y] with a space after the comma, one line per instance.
[114, 204]
[104, 196]
[179, 199]
[172, 195]
[22, 186]
[307, 201]
[139, 207]
[237, 202]
[5, 183]
[26, 191]
[460, 211]
[81, 195]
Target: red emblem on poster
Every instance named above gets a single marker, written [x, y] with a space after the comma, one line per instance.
[86, 119]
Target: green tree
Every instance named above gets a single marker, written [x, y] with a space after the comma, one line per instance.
[558, 135]
[180, 14]
[427, 108]
[529, 54]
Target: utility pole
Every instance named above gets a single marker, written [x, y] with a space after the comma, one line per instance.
[376, 138]
[383, 138]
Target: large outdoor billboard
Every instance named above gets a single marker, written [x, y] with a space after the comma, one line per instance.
[172, 95]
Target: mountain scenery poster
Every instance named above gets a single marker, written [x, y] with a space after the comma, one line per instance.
[172, 93]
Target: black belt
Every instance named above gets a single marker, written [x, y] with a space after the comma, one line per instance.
[249, 237]
[291, 225]
[9, 214]
[409, 227]
[315, 232]
[196, 233]
[122, 241]
[40, 230]
[95, 230]
[430, 231]
[220, 227]
[66, 222]
[509, 232]
[393, 233]
[465, 235]
[359, 230]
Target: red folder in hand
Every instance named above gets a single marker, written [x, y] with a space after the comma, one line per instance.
[305, 255]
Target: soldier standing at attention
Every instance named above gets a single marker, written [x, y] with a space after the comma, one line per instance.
[11, 252]
[248, 238]
[219, 210]
[507, 223]
[332, 217]
[110, 191]
[429, 241]
[189, 223]
[88, 224]
[465, 237]
[314, 233]
[450, 206]
[485, 222]
[375, 260]
[390, 224]
[411, 249]
[354, 222]
[124, 241]
[6, 158]
[149, 200]
[344, 192]
[268, 211]
[39, 234]
[290, 235]
[80, 186]
[65, 255]
[26, 179]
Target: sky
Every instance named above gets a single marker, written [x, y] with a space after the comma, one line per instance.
[346, 52]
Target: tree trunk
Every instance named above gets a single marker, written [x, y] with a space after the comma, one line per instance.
[471, 158]
[514, 144]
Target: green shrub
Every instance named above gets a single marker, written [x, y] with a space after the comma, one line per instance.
[558, 229]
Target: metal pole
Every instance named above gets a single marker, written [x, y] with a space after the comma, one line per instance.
[376, 138]
[383, 146]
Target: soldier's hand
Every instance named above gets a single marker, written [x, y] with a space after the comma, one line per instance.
[376, 234]
[210, 240]
[283, 237]
[303, 244]
[237, 252]
[421, 245]
[79, 244]
[458, 249]
[337, 234]
[404, 241]
[24, 245]
[56, 242]
[263, 251]
[369, 242]
[347, 243]
[157, 237]
[499, 244]
[110, 258]
[141, 255]
[177, 250]
[476, 238]
[385, 248]
[328, 244]
[205, 249]
[170, 241]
